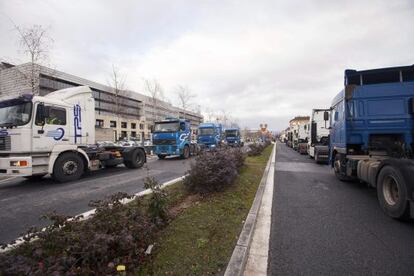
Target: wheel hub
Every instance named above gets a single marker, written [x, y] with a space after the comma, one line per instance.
[390, 190]
[70, 167]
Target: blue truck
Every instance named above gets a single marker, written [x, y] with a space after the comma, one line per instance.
[172, 136]
[210, 135]
[232, 137]
[372, 135]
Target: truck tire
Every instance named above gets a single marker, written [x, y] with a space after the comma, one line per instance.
[392, 193]
[137, 159]
[316, 157]
[160, 156]
[68, 166]
[186, 152]
[340, 168]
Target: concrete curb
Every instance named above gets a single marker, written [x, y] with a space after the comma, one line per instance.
[239, 257]
[86, 215]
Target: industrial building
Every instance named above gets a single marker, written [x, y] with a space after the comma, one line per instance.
[127, 115]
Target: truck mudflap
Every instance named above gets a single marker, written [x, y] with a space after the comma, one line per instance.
[406, 168]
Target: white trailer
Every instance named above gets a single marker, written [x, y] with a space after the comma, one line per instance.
[55, 135]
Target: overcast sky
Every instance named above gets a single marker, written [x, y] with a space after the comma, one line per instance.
[260, 61]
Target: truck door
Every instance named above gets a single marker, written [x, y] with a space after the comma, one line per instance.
[51, 128]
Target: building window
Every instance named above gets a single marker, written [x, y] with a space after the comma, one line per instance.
[141, 126]
[124, 124]
[133, 134]
[99, 123]
[133, 125]
[123, 134]
[112, 123]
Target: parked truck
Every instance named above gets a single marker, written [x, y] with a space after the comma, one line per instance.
[372, 135]
[303, 137]
[232, 137]
[210, 135]
[172, 136]
[318, 144]
[55, 135]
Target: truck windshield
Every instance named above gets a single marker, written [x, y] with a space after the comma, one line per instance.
[206, 131]
[231, 133]
[166, 127]
[15, 113]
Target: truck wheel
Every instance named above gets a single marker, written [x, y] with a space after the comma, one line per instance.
[340, 168]
[186, 152]
[160, 156]
[392, 193]
[137, 159]
[316, 158]
[68, 167]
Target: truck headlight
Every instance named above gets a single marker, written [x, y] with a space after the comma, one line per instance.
[22, 163]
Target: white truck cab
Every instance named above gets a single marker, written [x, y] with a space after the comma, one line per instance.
[53, 134]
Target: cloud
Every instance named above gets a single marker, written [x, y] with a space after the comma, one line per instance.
[262, 61]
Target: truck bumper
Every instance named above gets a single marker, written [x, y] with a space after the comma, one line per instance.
[7, 169]
[166, 150]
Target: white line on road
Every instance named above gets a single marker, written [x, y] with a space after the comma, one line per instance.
[259, 249]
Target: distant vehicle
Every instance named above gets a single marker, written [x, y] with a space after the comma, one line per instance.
[372, 135]
[318, 144]
[289, 140]
[210, 135]
[172, 136]
[302, 138]
[147, 143]
[55, 134]
[232, 137]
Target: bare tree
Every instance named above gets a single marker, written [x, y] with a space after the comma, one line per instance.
[35, 43]
[155, 91]
[117, 82]
[184, 97]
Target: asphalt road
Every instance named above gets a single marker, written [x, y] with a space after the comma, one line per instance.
[22, 202]
[321, 226]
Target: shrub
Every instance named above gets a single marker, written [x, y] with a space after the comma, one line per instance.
[238, 157]
[115, 235]
[255, 149]
[213, 171]
[157, 208]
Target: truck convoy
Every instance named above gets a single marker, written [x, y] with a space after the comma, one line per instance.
[318, 143]
[172, 136]
[55, 134]
[233, 138]
[210, 135]
[372, 135]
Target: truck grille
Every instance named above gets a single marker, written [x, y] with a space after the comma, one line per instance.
[164, 142]
[5, 143]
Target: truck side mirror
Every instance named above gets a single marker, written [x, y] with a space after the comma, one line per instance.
[326, 116]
